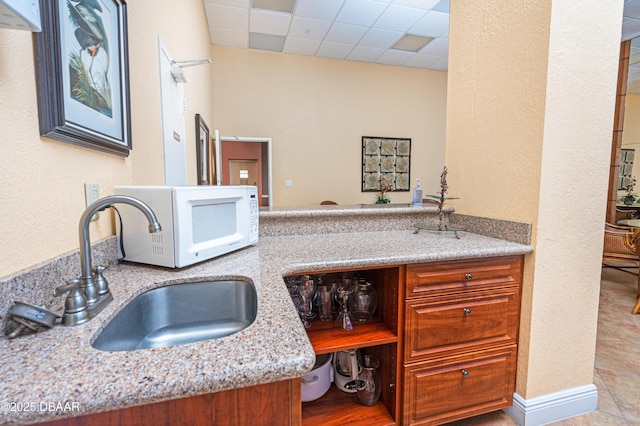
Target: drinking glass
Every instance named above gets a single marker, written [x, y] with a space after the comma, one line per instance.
[344, 318]
[307, 291]
[325, 297]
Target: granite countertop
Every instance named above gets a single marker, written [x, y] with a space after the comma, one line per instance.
[60, 365]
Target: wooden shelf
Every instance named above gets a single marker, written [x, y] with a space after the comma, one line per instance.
[341, 408]
[326, 337]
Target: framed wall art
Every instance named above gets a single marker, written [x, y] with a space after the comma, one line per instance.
[626, 167]
[388, 159]
[203, 151]
[82, 73]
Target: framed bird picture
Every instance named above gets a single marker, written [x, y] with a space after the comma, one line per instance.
[82, 70]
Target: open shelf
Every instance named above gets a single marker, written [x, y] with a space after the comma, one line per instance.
[377, 337]
[326, 337]
[341, 408]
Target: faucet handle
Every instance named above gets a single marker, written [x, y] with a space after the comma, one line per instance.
[75, 301]
[75, 305]
[100, 280]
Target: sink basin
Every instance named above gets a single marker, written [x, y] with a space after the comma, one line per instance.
[179, 314]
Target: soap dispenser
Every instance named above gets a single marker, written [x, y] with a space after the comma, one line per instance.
[417, 194]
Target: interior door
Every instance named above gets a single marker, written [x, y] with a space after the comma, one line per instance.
[173, 127]
[245, 156]
[243, 172]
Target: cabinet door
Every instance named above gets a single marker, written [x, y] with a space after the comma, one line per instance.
[432, 279]
[268, 404]
[447, 324]
[455, 388]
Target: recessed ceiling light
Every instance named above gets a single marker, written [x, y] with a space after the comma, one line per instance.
[261, 41]
[412, 43]
[275, 5]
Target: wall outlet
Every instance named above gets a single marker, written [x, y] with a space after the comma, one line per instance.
[91, 194]
[288, 183]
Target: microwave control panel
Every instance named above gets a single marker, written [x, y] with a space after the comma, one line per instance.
[253, 215]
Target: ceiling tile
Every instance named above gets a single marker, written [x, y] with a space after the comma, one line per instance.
[442, 6]
[436, 47]
[398, 18]
[334, 50]
[231, 20]
[632, 9]
[394, 57]
[231, 38]
[441, 65]
[365, 54]
[420, 4]
[266, 22]
[325, 9]
[360, 12]
[266, 41]
[301, 46]
[345, 33]
[630, 29]
[235, 3]
[235, 18]
[314, 29]
[382, 39]
[433, 24]
[422, 61]
[285, 6]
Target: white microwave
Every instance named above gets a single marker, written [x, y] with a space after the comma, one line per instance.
[198, 223]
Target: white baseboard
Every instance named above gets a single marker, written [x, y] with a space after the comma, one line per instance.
[553, 407]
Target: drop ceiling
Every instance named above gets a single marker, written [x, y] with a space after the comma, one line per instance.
[358, 30]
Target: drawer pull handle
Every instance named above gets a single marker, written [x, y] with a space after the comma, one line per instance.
[465, 373]
[467, 311]
[468, 276]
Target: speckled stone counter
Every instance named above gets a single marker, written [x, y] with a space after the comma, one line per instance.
[60, 365]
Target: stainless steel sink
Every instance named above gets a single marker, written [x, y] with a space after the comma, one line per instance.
[179, 314]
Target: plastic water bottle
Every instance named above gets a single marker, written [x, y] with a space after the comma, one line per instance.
[417, 194]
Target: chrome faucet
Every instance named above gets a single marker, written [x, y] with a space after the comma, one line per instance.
[89, 294]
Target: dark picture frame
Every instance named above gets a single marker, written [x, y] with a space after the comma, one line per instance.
[388, 159]
[82, 72]
[203, 151]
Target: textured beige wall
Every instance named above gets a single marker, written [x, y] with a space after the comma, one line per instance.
[42, 180]
[317, 110]
[527, 141]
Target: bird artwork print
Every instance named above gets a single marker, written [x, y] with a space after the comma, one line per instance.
[89, 61]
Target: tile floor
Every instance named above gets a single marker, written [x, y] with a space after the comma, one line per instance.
[617, 369]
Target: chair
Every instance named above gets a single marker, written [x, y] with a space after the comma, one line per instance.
[626, 214]
[622, 247]
[635, 241]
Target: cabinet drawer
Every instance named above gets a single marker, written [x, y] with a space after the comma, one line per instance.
[432, 279]
[442, 325]
[452, 388]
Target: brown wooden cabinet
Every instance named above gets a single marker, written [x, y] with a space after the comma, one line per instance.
[272, 403]
[446, 336]
[461, 334]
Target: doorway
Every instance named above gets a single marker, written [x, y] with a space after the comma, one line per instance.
[244, 172]
[245, 161]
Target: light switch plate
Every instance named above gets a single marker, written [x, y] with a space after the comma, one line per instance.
[91, 194]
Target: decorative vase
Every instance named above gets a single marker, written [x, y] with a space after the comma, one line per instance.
[363, 301]
[369, 381]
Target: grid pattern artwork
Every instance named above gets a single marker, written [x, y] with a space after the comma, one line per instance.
[626, 168]
[388, 159]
